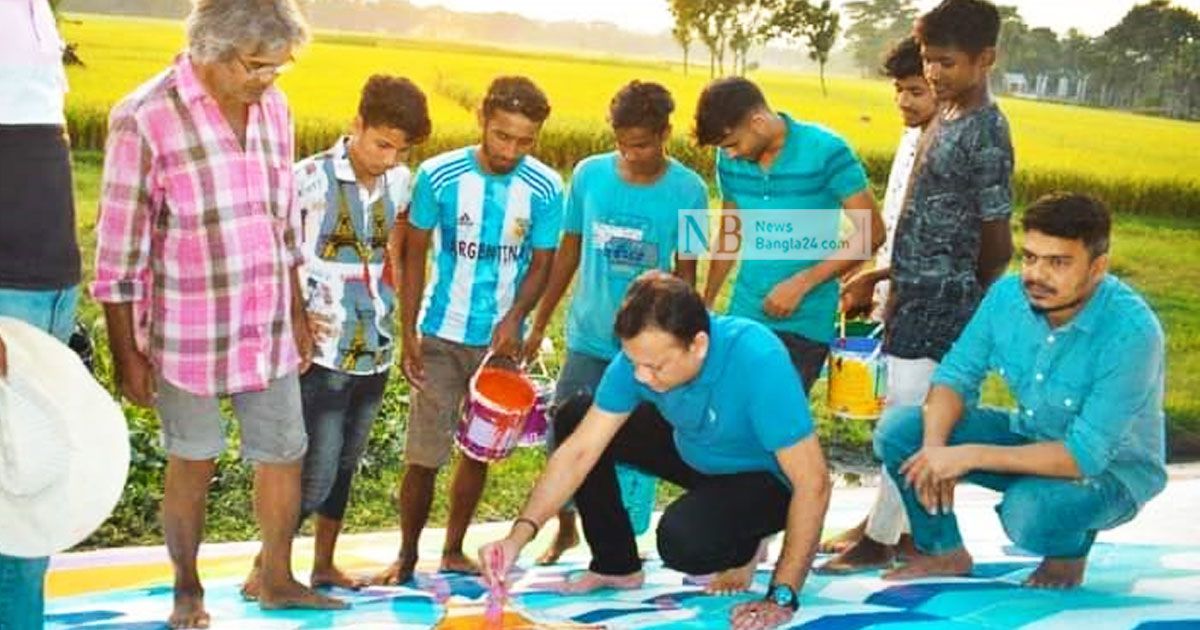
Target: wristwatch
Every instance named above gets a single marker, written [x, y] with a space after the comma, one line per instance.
[783, 595]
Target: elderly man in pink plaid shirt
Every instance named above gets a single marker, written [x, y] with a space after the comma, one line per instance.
[196, 265]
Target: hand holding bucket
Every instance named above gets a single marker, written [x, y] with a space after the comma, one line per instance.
[499, 402]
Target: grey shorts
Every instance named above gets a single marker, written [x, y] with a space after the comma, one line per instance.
[271, 423]
[438, 408]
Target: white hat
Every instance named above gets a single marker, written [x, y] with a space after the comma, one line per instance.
[64, 446]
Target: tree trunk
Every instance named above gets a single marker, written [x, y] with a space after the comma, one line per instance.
[821, 66]
[685, 60]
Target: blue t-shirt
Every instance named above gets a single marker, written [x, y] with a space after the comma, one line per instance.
[485, 228]
[625, 229]
[814, 170]
[745, 404]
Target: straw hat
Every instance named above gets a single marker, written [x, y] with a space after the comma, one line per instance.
[64, 446]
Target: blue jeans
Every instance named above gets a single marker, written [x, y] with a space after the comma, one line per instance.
[22, 580]
[1055, 518]
[339, 410]
[52, 311]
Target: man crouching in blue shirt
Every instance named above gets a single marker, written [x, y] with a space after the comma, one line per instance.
[1082, 354]
[711, 404]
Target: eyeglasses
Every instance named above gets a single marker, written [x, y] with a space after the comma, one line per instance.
[263, 70]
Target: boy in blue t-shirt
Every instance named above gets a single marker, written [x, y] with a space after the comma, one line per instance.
[711, 404]
[621, 220]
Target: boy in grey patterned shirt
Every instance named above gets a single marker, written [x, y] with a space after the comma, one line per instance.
[953, 237]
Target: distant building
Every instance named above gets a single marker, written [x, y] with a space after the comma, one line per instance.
[1015, 83]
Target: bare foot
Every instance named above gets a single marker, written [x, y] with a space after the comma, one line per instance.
[252, 585]
[333, 576]
[296, 595]
[398, 573]
[737, 579]
[458, 562]
[589, 582]
[906, 548]
[957, 562]
[189, 610]
[1057, 573]
[844, 540]
[867, 554]
[565, 539]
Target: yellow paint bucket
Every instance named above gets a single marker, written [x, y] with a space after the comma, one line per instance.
[857, 378]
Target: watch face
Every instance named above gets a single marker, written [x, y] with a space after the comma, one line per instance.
[783, 595]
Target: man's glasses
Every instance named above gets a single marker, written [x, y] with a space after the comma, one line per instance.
[263, 70]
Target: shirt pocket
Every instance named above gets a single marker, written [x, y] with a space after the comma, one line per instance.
[1061, 401]
[183, 202]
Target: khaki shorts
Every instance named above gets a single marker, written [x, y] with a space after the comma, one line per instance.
[271, 422]
[437, 409]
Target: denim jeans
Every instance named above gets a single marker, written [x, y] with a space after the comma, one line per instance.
[1055, 518]
[339, 410]
[22, 580]
[52, 311]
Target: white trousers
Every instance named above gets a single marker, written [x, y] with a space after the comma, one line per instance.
[907, 386]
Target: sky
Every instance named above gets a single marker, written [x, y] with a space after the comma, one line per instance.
[1092, 17]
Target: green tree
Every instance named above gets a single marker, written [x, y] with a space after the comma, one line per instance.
[815, 26]
[874, 26]
[751, 22]
[684, 30]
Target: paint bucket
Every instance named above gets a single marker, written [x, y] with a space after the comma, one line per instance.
[538, 422]
[499, 401]
[857, 377]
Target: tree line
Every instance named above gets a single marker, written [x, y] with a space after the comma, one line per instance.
[1149, 61]
[729, 29]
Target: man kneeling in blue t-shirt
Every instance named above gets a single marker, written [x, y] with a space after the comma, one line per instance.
[711, 404]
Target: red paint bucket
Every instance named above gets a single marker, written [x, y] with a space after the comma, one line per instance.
[497, 406]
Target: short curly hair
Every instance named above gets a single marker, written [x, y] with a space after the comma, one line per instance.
[904, 60]
[642, 105]
[517, 95]
[395, 102]
[968, 25]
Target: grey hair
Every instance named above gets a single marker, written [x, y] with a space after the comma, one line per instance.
[218, 28]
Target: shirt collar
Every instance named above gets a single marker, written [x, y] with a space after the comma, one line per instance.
[718, 351]
[340, 155]
[186, 82]
[1087, 317]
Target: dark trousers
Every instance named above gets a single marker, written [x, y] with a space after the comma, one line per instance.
[808, 356]
[339, 410]
[716, 525]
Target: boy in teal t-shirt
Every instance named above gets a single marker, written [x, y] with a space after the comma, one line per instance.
[621, 219]
[768, 161]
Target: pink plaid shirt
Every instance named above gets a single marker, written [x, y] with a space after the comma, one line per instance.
[200, 235]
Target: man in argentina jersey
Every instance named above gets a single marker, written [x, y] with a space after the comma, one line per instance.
[621, 220]
[492, 214]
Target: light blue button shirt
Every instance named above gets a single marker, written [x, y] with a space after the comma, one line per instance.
[1095, 383]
